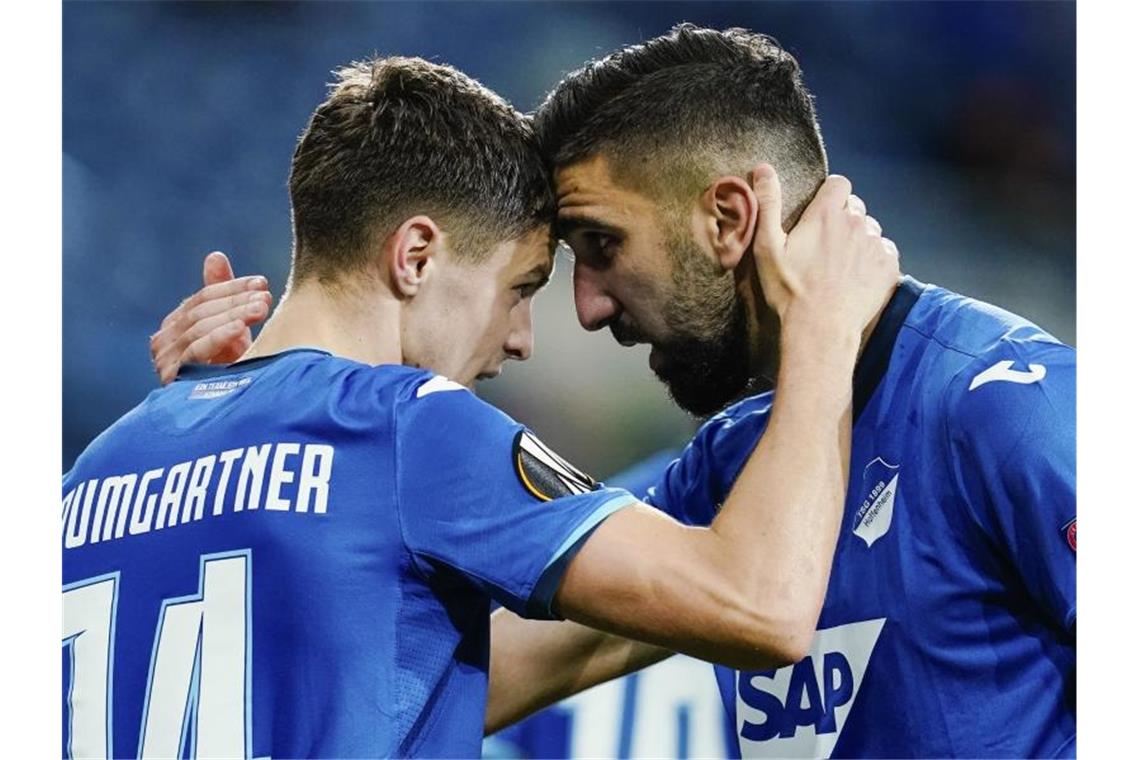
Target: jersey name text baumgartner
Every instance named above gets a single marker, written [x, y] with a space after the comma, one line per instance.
[277, 477]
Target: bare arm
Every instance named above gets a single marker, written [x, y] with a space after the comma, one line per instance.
[746, 591]
[535, 663]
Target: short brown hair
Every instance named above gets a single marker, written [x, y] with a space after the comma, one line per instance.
[679, 110]
[401, 136]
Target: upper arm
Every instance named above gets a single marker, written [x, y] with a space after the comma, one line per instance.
[535, 663]
[476, 496]
[1015, 442]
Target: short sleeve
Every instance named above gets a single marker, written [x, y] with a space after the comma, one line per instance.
[1013, 435]
[694, 486]
[480, 495]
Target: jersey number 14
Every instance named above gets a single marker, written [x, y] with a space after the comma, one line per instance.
[198, 683]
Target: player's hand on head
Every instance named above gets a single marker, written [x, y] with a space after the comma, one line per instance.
[834, 264]
[213, 325]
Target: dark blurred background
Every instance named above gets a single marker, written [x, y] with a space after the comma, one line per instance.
[955, 121]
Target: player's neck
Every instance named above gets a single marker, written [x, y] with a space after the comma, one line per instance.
[347, 323]
[764, 336]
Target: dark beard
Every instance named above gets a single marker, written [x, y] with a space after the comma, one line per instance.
[705, 360]
[704, 375]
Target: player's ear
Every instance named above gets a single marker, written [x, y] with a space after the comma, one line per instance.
[727, 218]
[409, 253]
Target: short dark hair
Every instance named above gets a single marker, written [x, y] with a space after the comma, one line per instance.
[675, 112]
[401, 136]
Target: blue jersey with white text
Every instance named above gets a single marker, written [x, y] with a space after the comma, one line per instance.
[295, 556]
[949, 625]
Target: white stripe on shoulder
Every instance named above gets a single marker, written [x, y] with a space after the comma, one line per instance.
[437, 384]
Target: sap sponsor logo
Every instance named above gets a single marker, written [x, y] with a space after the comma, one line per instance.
[800, 710]
[216, 388]
[880, 484]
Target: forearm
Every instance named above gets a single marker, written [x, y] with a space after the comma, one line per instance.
[746, 591]
[777, 530]
[535, 663]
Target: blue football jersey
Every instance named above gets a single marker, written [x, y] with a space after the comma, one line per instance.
[294, 556]
[949, 625]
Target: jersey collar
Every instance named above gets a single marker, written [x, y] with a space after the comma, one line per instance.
[872, 364]
[203, 371]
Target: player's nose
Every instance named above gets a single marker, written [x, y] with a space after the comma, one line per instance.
[595, 307]
[520, 341]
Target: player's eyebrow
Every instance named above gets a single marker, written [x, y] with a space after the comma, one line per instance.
[564, 226]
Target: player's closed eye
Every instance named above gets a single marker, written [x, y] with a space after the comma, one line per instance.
[526, 290]
[607, 245]
[594, 247]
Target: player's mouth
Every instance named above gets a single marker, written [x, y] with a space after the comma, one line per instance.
[657, 360]
[627, 335]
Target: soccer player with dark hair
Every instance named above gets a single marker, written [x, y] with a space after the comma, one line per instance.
[949, 627]
[294, 555]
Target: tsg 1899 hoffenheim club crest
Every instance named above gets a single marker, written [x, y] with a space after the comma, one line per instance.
[880, 484]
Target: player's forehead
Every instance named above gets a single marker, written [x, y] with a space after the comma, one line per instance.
[589, 196]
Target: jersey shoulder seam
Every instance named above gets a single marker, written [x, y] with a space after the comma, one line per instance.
[398, 490]
[942, 343]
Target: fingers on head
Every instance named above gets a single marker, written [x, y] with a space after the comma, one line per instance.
[766, 185]
[830, 199]
[836, 189]
[764, 175]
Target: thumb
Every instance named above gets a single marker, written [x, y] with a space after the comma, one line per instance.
[770, 236]
[216, 268]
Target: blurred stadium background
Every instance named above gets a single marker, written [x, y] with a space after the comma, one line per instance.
[955, 121]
